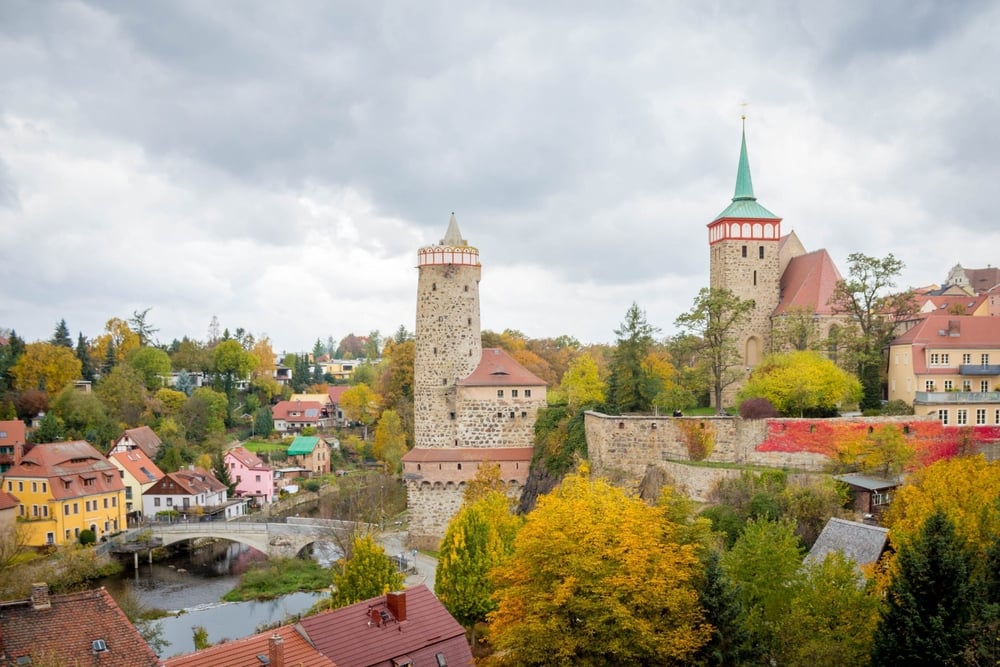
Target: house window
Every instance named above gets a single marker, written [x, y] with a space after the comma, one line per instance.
[170, 502]
[34, 487]
[50, 538]
[962, 417]
[67, 533]
[45, 511]
[66, 506]
[996, 417]
[929, 385]
[513, 393]
[984, 359]
[45, 487]
[943, 416]
[984, 385]
[527, 393]
[499, 393]
[948, 385]
[20, 487]
[966, 358]
[76, 508]
[156, 502]
[980, 416]
[459, 466]
[935, 359]
[451, 415]
[744, 251]
[754, 277]
[258, 476]
[114, 501]
[760, 252]
[945, 358]
[239, 478]
[128, 493]
[966, 385]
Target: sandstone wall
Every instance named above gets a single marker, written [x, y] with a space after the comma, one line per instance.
[432, 505]
[487, 421]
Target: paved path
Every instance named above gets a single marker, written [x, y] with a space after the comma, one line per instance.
[394, 545]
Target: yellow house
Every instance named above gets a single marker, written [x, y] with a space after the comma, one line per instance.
[949, 367]
[64, 488]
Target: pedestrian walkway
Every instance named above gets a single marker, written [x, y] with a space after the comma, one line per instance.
[421, 567]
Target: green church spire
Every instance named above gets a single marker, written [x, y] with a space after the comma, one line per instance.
[744, 184]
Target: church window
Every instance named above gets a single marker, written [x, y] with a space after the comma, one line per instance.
[760, 252]
[435, 350]
[459, 466]
[524, 414]
[734, 230]
[744, 251]
[758, 230]
[512, 414]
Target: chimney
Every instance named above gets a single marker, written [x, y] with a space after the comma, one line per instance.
[40, 596]
[276, 650]
[396, 603]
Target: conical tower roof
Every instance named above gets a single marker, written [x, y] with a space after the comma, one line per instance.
[744, 202]
[453, 237]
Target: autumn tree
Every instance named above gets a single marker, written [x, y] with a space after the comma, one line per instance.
[84, 417]
[189, 355]
[929, 602]
[801, 383]
[140, 325]
[886, 452]
[390, 441]
[714, 319]
[873, 312]
[395, 382]
[231, 362]
[351, 347]
[262, 377]
[367, 573]
[796, 329]
[479, 538]
[360, 404]
[597, 577]
[116, 342]
[123, 393]
[581, 384]
[45, 366]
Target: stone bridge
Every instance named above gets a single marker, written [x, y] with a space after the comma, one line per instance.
[273, 539]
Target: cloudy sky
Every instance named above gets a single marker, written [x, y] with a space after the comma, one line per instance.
[277, 164]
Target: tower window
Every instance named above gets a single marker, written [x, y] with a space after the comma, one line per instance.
[435, 350]
[754, 277]
[470, 321]
[434, 287]
[444, 380]
[760, 252]
[744, 251]
[466, 288]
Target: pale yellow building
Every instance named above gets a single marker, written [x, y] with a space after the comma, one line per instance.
[949, 367]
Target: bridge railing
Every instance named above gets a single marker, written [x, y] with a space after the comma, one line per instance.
[207, 527]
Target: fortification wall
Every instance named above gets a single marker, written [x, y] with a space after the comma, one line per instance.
[432, 505]
[494, 422]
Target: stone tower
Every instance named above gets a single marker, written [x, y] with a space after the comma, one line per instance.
[448, 338]
[745, 245]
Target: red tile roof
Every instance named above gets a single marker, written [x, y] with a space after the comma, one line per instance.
[808, 282]
[351, 638]
[297, 652]
[145, 439]
[498, 369]
[943, 331]
[81, 468]
[63, 633]
[8, 501]
[945, 304]
[140, 466]
[12, 432]
[461, 455]
[187, 482]
[282, 410]
[335, 392]
[247, 458]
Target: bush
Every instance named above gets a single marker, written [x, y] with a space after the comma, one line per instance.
[87, 537]
[757, 408]
[311, 485]
[897, 407]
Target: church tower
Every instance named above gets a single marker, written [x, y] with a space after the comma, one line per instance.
[448, 338]
[745, 243]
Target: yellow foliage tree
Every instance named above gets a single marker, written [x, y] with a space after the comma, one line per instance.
[581, 383]
[361, 405]
[118, 334]
[45, 366]
[597, 577]
[795, 382]
[390, 441]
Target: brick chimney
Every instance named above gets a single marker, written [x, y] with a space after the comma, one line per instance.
[276, 650]
[40, 596]
[396, 603]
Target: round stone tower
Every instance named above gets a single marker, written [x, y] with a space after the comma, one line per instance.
[448, 338]
[745, 243]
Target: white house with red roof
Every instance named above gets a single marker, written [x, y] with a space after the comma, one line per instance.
[293, 416]
[193, 493]
[253, 478]
[141, 437]
[949, 367]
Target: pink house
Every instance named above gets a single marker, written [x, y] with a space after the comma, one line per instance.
[252, 477]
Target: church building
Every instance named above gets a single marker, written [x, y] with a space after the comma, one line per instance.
[751, 258]
[471, 405]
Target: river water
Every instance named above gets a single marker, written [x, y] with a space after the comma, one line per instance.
[193, 585]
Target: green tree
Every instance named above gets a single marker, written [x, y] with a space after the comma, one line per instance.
[366, 574]
[628, 386]
[765, 563]
[218, 408]
[597, 577]
[86, 362]
[190, 355]
[929, 602]
[714, 318]
[719, 596]
[123, 393]
[390, 441]
[61, 336]
[800, 383]
[873, 312]
[232, 362]
[84, 417]
[143, 329]
[886, 452]
[263, 422]
[373, 345]
[221, 471]
[479, 538]
[50, 429]
[796, 329]
[152, 363]
[45, 366]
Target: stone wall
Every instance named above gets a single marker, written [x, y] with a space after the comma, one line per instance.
[488, 421]
[432, 505]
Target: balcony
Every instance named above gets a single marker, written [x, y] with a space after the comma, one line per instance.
[973, 369]
[956, 397]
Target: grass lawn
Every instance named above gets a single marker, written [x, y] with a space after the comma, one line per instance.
[260, 446]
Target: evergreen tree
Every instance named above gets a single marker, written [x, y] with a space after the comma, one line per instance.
[61, 336]
[263, 422]
[83, 354]
[929, 602]
[184, 383]
[221, 471]
[110, 359]
[730, 640]
[628, 378]
[50, 429]
[300, 374]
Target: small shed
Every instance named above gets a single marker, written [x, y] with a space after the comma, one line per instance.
[862, 543]
[871, 494]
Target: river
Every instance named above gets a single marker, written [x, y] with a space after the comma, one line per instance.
[194, 583]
